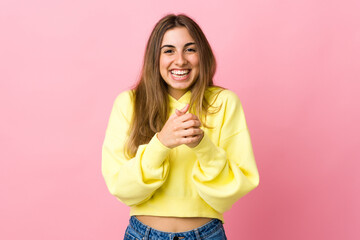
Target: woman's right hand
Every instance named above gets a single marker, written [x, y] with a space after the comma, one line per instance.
[180, 128]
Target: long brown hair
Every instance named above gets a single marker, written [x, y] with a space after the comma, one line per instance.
[150, 93]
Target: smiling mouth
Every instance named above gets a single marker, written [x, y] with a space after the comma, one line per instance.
[180, 73]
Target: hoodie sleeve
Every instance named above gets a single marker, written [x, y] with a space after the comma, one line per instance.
[226, 171]
[132, 181]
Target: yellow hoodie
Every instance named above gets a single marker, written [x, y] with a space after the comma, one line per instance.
[204, 181]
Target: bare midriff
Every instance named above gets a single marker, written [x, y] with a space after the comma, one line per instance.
[173, 224]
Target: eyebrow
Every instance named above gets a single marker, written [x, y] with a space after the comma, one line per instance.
[172, 46]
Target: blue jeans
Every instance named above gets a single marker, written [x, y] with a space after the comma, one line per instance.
[213, 230]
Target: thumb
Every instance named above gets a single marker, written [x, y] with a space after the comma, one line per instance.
[182, 111]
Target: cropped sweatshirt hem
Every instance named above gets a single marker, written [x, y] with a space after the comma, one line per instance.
[204, 181]
[187, 208]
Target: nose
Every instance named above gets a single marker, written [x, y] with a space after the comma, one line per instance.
[180, 60]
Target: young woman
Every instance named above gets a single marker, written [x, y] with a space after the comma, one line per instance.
[177, 148]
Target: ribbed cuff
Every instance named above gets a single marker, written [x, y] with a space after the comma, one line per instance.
[208, 153]
[155, 153]
[204, 147]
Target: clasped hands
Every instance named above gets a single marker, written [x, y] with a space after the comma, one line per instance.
[181, 128]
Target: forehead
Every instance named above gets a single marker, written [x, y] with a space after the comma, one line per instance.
[177, 36]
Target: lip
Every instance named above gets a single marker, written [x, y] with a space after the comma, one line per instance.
[180, 78]
[180, 69]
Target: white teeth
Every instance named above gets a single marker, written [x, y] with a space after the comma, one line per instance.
[180, 72]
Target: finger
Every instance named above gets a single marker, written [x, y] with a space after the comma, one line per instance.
[190, 132]
[191, 123]
[187, 117]
[172, 116]
[190, 139]
[184, 109]
[178, 112]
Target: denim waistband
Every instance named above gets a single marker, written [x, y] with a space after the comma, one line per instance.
[197, 233]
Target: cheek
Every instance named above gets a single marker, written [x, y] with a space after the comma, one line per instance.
[163, 65]
[164, 61]
[194, 61]
[195, 65]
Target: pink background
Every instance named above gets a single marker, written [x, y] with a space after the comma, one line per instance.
[294, 65]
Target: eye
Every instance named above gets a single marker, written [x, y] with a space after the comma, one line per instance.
[190, 50]
[168, 51]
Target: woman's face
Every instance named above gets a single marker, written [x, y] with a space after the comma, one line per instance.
[179, 61]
